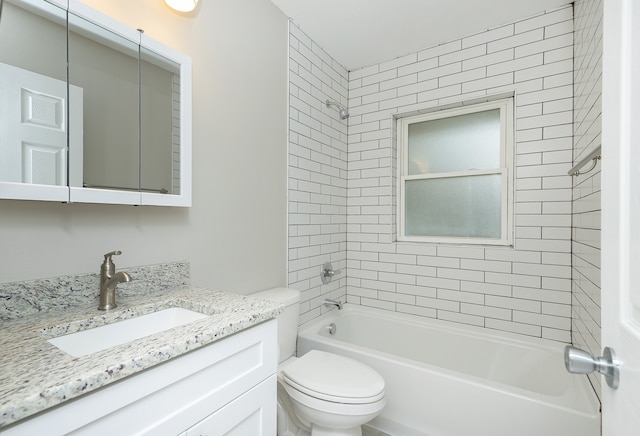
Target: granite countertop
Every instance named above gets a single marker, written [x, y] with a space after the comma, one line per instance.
[35, 375]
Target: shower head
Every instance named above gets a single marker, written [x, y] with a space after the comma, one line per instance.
[344, 113]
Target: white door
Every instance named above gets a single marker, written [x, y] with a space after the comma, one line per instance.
[33, 125]
[621, 212]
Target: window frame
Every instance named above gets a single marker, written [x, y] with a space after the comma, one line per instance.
[506, 169]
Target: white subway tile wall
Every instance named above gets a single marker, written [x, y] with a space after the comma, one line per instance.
[317, 190]
[586, 188]
[342, 202]
[524, 289]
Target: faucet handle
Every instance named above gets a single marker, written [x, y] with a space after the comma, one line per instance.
[107, 257]
[108, 267]
[327, 272]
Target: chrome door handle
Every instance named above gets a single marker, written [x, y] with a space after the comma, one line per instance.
[578, 361]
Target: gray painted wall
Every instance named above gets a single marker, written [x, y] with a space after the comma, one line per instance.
[234, 236]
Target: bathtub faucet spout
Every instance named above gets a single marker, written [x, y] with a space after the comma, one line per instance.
[333, 303]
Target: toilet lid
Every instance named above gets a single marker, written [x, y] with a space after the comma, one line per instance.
[334, 378]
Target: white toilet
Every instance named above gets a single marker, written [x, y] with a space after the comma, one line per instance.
[320, 393]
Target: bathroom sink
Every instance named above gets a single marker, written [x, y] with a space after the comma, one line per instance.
[100, 338]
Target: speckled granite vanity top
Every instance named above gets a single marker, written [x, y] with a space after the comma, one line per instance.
[35, 375]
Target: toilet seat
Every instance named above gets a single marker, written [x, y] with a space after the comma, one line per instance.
[331, 398]
[337, 379]
[334, 408]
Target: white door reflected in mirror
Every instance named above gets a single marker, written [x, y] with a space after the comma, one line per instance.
[33, 146]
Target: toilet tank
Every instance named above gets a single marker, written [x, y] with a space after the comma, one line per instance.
[287, 321]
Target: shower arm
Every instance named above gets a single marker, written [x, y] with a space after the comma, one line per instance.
[343, 111]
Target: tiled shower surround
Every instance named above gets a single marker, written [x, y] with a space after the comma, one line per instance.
[317, 173]
[586, 188]
[525, 288]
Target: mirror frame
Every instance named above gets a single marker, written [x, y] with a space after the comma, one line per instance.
[70, 194]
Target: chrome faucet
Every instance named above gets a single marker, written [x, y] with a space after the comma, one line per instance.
[329, 303]
[109, 279]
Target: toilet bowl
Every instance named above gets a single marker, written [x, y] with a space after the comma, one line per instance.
[331, 394]
[320, 393]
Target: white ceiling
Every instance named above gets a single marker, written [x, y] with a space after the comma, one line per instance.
[359, 33]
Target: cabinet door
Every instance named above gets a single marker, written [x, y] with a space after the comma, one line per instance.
[253, 413]
[33, 101]
[103, 61]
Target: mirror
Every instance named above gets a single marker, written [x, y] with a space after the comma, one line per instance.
[123, 118]
[33, 94]
[104, 66]
[159, 123]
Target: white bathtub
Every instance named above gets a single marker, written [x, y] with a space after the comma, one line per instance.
[444, 379]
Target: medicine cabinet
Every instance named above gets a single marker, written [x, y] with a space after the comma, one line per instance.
[91, 110]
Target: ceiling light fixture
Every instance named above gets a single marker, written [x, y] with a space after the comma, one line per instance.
[182, 5]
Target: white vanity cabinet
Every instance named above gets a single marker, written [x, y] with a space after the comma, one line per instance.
[225, 388]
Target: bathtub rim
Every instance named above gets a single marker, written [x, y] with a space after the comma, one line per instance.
[591, 405]
[438, 324]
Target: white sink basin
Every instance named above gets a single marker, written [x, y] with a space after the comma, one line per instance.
[107, 336]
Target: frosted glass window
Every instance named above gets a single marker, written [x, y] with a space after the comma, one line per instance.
[459, 143]
[467, 207]
[456, 175]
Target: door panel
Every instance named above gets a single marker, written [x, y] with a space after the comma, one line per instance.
[35, 136]
[621, 212]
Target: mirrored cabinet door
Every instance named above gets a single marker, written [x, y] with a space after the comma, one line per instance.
[159, 123]
[33, 101]
[104, 112]
[91, 110]
[165, 117]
